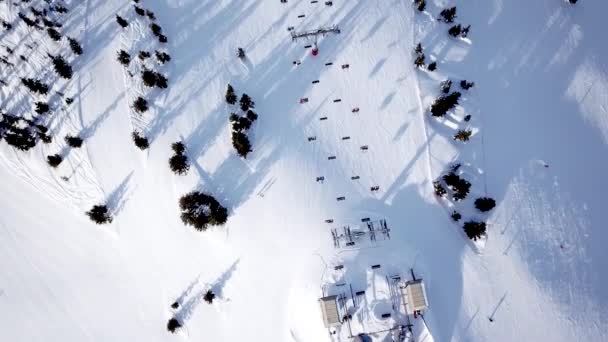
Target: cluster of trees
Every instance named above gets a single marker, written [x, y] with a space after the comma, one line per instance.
[444, 103]
[419, 62]
[201, 210]
[149, 77]
[448, 14]
[61, 66]
[241, 123]
[22, 133]
[459, 31]
[179, 161]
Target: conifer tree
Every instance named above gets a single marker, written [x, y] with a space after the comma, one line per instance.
[121, 21]
[75, 46]
[230, 95]
[463, 135]
[54, 34]
[246, 103]
[41, 107]
[124, 58]
[456, 216]
[448, 14]
[201, 210]
[162, 57]
[140, 105]
[432, 66]
[474, 230]
[455, 30]
[418, 50]
[484, 204]
[140, 141]
[54, 160]
[419, 61]
[75, 142]
[99, 214]
[140, 11]
[241, 143]
[420, 5]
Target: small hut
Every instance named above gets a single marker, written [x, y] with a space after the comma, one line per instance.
[329, 309]
[414, 295]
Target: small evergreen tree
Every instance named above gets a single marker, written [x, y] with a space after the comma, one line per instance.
[41, 107]
[418, 50]
[173, 324]
[156, 29]
[201, 210]
[251, 115]
[246, 103]
[54, 160]
[62, 67]
[140, 105]
[148, 77]
[233, 117]
[35, 85]
[150, 15]
[463, 135]
[209, 296]
[54, 34]
[124, 58]
[420, 5]
[162, 38]
[455, 30]
[240, 53]
[162, 57]
[467, 118]
[445, 86]
[572, 1]
[419, 61]
[439, 189]
[75, 46]
[432, 66]
[465, 31]
[29, 22]
[456, 216]
[448, 14]
[444, 103]
[466, 85]
[241, 143]
[121, 21]
[99, 214]
[140, 141]
[160, 80]
[143, 55]
[75, 142]
[140, 11]
[474, 230]
[179, 164]
[241, 124]
[230, 95]
[485, 204]
[178, 147]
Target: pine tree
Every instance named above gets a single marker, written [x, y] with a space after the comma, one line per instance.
[62, 67]
[251, 115]
[419, 62]
[75, 46]
[467, 118]
[241, 143]
[241, 124]
[121, 21]
[35, 85]
[150, 15]
[139, 10]
[465, 31]
[54, 34]
[420, 5]
[99, 214]
[474, 230]
[156, 29]
[29, 22]
[143, 55]
[240, 53]
[439, 189]
[201, 210]
[6, 25]
[41, 107]
[485, 204]
[446, 86]
[160, 80]
[124, 58]
[162, 38]
[444, 103]
[162, 57]
[455, 30]
[418, 50]
[140, 141]
[140, 105]
[456, 216]
[54, 160]
[209, 296]
[148, 77]
[179, 164]
[230, 95]
[246, 103]
[448, 14]
[75, 142]
[432, 66]
[466, 85]
[572, 1]
[178, 147]
[463, 135]
[173, 324]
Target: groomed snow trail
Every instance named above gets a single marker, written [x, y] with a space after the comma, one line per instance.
[70, 280]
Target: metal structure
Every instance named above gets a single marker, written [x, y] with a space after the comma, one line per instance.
[351, 236]
[329, 309]
[322, 31]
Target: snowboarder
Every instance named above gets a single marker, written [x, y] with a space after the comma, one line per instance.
[345, 66]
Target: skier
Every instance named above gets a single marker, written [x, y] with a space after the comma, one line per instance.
[304, 100]
[355, 110]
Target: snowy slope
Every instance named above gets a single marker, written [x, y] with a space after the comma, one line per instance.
[540, 72]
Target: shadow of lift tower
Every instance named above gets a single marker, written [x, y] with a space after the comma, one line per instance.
[314, 34]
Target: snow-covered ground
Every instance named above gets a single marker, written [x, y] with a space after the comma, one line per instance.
[540, 98]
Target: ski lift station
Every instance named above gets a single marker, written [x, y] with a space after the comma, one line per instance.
[329, 309]
[414, 297]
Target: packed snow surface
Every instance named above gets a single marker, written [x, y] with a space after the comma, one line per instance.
[539, 112]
